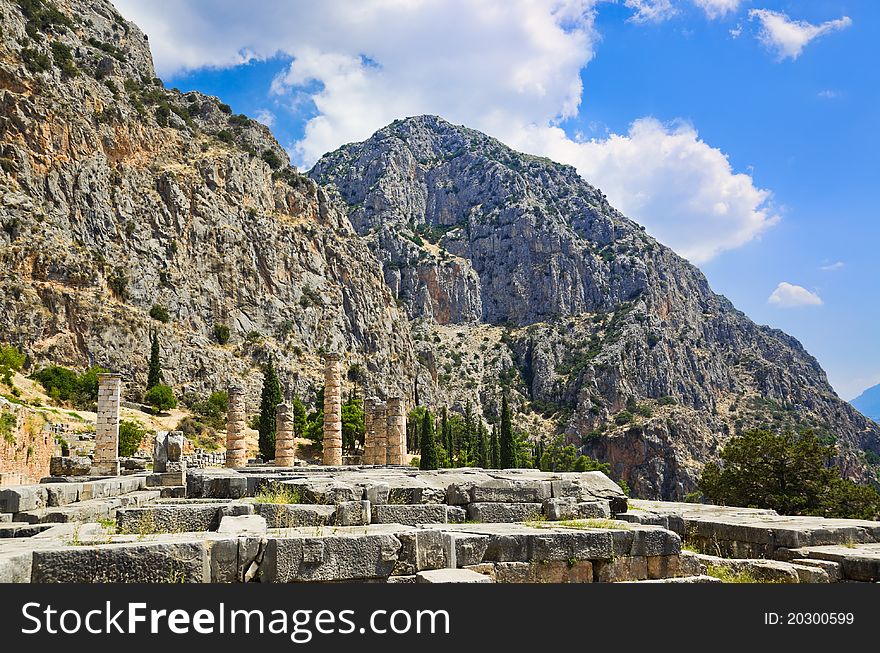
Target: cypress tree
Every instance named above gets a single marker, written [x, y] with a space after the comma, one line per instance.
[154, 372]
[493, 449]
[427, 448]
[507, 447]
[483, 458]
[269, 399]
[300, 420]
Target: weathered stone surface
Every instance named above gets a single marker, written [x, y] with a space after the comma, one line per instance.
[684, 579]
[503, 512]
[20, 498]
[329, 558]
[70, 466]
[621, 569]
[451, 576]
[859, 562]
[469, 548]
[409, 514]
[557, 509]
[215, 484]
[242, 525]
[510, 491]
[831, 569]
[168, 519]
[353, 513]
[772, 571]
[423, 549]
[15, 566]
[456, 514]
[290, 515]
[810, 573]
[62, 494]
[153, 562]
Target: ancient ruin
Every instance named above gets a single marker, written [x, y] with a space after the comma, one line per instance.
[375, 429]
[396, 432]
[285, 443]
[106, 460]
[332, 410]
[236, 447]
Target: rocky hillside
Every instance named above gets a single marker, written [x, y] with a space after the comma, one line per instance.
[869, 402]
[444, 263]
[118, 195]
[514, 269]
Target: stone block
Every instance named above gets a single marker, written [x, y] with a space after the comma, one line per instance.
[183, 518]
[513, 572]
[451, 576]
[504, 512]
[15, 566]
[621, 569]
[562, 571]
[456, 515]
[510, 491]
[831, 569]
[422, 549]
[485, 568]
[410, 515]
[469, 548]
[242, 525]
[377, 493]
[140, 562]
[20, 498]
[353, 513]
[341, 558]
[62, 494]
[810, 574]
[70, 466]
[291, 515]
[571, 545]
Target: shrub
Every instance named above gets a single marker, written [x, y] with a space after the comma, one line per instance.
[225, 108]
[64, 59]
[278, 493]
[667, 401]
[623, 417]
[160, 313]
[213, 410]
[131, 434]
[160, 397]
[35, 61]
[226, 136]
[63, 384]
[272, 158]
[221, 333]
[8, 423]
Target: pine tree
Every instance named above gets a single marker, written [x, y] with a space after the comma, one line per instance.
[427, 448]
[507, 446]
[154, 373]
[270, 398]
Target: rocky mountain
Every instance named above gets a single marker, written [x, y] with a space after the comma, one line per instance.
[868, 403]
[118, 195]
[513, 269]
[445, 264]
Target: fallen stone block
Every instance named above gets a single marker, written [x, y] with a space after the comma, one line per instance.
[242, 525]
[590, 486]
[23, 498]
[353, 513]
[510, 491]
[410, 515]
[451, 576]
[291, 515]
[148, 562]
[340, 558]
[504, 512]
[70, 466]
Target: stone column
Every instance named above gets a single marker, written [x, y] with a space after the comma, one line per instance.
[396, 420]
[380, 431]
[369, 432]
[332, 410]
[106, 460]
[285, 444]
[236, 446]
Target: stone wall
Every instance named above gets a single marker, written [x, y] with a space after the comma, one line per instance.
[26, 446]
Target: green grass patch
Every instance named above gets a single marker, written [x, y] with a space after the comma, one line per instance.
[278, 493]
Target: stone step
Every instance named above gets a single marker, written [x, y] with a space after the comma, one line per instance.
[89, 510]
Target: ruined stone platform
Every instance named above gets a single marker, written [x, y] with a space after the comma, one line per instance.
[402, 525]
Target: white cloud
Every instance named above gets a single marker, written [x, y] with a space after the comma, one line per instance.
[266, 117]
[510, 68]
[663, 176]
[789, 37]
[651, 11]
[828, 94]
[788, 295]
[718, 8]
[831, 267]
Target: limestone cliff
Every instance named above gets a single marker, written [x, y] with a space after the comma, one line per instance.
[514, 267]
[117, 195]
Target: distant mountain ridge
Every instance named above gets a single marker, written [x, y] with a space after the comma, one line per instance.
[868, 403]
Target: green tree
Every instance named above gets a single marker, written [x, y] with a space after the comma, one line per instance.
[300, 419]
[11, 361]
[494, 449]
[154, 371]
[161, 398]
[352, 423]
[507, 445]
[790, 473]
[427, 445]
[270, 397]
[483, 448]
[131, 434]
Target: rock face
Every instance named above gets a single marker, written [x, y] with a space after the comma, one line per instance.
[869, 402]
[117, 195]
[513, 266]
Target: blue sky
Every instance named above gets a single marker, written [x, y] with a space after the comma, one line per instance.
[743, 133]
